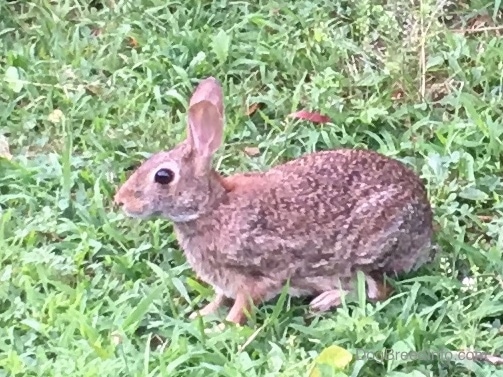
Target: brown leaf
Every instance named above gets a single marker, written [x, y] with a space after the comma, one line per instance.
[314, 117]
[481, 23]
[398, 92]
[96, 32]
[397, 95]
[157, 341]
[251, 109]
[52, 237]
[252, 151]
[133, 42]
[93, 89]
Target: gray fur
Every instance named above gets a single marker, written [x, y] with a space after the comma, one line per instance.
[314, 221]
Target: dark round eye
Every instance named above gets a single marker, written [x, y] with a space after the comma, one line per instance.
[164, 176]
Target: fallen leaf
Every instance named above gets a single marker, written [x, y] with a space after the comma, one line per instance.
[485, 218]
[93, 89]
[252, 151]
[437, 87]
[56, 116]
[310, 116]
[333, 356]
[157, 341]
[480, 21]
[397, 95]
[252, 108]
[398, 92]
[96, 32]
[4, 148]
[53, 237]
[88, 271]
[133, 42]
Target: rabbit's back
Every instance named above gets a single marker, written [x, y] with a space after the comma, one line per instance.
[317, 218]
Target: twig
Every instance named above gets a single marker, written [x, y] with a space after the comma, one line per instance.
[479, 30]
[422, 54]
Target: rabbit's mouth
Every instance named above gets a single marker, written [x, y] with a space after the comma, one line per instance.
[143, 215]
[184, 218]
[136, 214]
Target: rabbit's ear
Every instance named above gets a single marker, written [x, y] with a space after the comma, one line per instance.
[209, 89]
[205, 118]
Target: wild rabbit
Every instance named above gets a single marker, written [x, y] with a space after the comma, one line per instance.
[312, 222]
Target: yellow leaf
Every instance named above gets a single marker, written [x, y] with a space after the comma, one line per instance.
[334, 356]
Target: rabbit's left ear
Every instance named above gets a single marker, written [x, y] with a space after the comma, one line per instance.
[205, 118]
[206, 128]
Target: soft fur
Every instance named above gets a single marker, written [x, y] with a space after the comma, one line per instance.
[313, 222]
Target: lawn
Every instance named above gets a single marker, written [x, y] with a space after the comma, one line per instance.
[87, 93]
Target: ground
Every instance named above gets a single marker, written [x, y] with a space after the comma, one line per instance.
[89, 91]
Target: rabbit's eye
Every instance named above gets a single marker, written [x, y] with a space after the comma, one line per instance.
[164, 176]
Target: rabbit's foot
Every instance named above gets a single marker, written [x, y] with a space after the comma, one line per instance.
[211, 308]
[377, 290]
[237, 313]
[327, 300]
[245, 300]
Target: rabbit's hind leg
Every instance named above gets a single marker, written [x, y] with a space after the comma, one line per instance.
[237, 314]
[376, 289]
[332, 298]
[327, 300]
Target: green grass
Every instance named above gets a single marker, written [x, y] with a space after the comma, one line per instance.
[86, 292]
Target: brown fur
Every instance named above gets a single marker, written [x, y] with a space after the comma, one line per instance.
[314, 221]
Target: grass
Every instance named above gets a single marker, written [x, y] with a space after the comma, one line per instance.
[87, 93]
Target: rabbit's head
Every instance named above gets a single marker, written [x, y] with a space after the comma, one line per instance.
[179, 184]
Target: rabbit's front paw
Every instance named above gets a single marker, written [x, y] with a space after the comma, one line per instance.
[209, 309]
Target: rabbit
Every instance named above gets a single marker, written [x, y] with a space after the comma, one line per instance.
[309, 224]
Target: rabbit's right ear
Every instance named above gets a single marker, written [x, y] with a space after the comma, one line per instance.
[205, 118]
